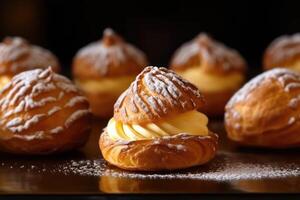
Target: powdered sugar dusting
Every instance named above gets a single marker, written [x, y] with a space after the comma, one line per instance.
[282, 49]
[112, 51]
[23, 56]
[75, 116]
[154, 90]
[287, 78]
[30, 91]
[225, 167]
[78, 99]
[204, 49]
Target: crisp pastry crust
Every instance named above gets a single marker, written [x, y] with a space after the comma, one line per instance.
[284, 51]
[158, 93]
[166, 153]
[18, 55]
[213, 63]
[211, 55]
[265, 112]
[109, 57]
[42, 112]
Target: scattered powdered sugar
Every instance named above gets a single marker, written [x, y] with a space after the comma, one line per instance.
[56, 130]
[21, 56]
[210, 51]
[291, 120]
[285, 77]
[178, 147]
[283, 48]
[75, 116]
[111, 51]
[34, 89]
[225, 167]
[54, 110]
[163, 89]
[294, 102]
[77, 99]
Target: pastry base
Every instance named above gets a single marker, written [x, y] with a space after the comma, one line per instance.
[167, 153]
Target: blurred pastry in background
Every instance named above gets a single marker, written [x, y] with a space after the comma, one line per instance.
[41, 113]
[105, 68]
[265, 112]
[218, 71]
[18, 55]
[284, 51]
[156, 125]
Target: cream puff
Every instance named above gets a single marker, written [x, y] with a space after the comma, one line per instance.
[218, 71]
[265, 112]
[156, 125]
[41, 113]
[284, 51]
[18, 55]
[104, 69]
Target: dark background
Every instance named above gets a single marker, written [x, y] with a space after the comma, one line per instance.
[156, 27]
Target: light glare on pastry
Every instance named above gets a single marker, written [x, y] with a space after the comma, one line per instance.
[217, 70]
[18, 55]
[265, 112]
[284, 51]
[156, 125]
[105, 69]
[42, 112]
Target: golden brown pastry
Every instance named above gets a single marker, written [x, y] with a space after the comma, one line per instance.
[18, 55]
[104, 69]
[156, 125]
[265, 112]
[284, 51]
[112, 184]
[218, 71]
[42, 112]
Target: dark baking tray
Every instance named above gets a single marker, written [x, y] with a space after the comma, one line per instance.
[234, 170]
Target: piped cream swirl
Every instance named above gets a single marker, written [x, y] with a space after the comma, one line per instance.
[192, 123]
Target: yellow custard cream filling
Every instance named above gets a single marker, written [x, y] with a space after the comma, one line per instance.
[110, 85]
[212, 83]
[191, 123]
[4, 80]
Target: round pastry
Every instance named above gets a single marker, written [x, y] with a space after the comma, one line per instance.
[42, 112]
[104, 69]
[265, 112]
[215, 69]
[156, 125]
[18, 55]
[284, 51]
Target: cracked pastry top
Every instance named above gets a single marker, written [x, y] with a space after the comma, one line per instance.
[106, 68]
[42, 112]
[214, 68]
[265, 112]
[18, 55]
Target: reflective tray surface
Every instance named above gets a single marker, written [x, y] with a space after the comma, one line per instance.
[234, 170]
